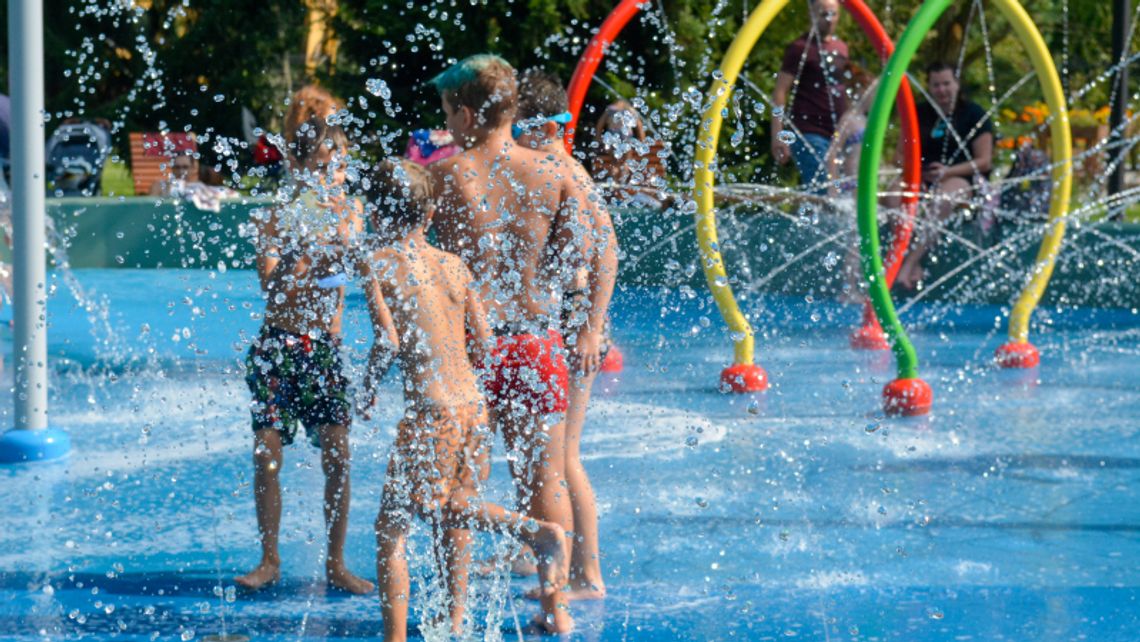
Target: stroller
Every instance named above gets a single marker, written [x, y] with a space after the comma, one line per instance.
[76, 154]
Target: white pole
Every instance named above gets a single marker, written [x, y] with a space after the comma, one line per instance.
[29, 295]
[31, 439]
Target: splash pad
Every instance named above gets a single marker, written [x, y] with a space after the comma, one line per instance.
[803, 512]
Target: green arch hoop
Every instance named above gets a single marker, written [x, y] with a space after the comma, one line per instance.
[866, 198]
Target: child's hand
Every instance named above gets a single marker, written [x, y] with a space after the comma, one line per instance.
[585, 354]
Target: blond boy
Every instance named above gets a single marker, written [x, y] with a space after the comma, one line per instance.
[434, 468]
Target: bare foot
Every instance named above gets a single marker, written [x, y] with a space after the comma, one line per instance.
[578, 591]
[339, 577]
[264, 575]
[522, 565]
[549, 544]
[551, 624]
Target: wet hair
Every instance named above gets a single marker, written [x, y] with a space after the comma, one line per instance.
[312, 134]
[940, 65]
[400, 194]
[485, 84]
[308, 103]
[541, 94]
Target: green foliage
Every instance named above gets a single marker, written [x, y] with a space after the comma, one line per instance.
[251, 54]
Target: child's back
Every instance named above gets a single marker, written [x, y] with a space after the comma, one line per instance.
[429, 293]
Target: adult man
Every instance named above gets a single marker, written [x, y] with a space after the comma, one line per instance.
[957, 156]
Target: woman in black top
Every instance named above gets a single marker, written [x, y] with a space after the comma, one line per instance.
[957, 156]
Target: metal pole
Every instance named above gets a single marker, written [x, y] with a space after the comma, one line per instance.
[31, 439]
[1120, 17]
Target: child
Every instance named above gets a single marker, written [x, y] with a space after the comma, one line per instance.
[542, 99]
[293, 367]
[511, 214]
[435, 462]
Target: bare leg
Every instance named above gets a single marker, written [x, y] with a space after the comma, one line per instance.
[335, 463]
[951, 193]
[540, 472]
[585, 567]
[392, 574]
[457, 557]
[267, 498]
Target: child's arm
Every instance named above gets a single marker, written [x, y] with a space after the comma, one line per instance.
[386, 343]
[479, 334]
[600, 248]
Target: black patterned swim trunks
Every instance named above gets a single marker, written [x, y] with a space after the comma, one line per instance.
[296, 379]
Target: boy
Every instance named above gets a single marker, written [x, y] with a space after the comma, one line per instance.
[435, 461]
[542, 104]
[511, 215]
[293, 367]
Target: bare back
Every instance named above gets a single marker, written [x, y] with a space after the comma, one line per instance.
[503, 211]
[429, 297]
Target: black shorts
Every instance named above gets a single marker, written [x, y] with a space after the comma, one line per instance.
[296, 380]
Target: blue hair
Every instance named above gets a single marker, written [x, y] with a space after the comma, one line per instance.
[465, 71]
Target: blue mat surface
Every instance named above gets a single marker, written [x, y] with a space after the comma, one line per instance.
[1009, 513]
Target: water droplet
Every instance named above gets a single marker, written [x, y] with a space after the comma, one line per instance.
[378, 87]
[872, 427]
[691, 441]
[786, 137]
[218, 98]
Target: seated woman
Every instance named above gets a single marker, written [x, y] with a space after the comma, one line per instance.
[957, 156]
[182, 170]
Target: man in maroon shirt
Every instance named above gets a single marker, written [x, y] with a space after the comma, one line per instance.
[810, 94]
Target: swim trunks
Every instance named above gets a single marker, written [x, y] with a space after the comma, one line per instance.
[296, 379]
[438, 449]
[575, 309]
[528, 372]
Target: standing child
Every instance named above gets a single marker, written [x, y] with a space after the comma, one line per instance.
[293, 367]
[542, 103]
[439, 444]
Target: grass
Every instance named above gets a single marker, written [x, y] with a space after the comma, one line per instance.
[117, 179]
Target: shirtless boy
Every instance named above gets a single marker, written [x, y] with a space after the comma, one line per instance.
[511, 215]
[434, 466]
[542, 105]
[293, 367]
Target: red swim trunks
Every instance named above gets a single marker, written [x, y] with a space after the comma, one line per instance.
[529, 372]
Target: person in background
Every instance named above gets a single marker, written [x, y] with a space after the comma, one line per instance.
[810, 95]
[957, 157]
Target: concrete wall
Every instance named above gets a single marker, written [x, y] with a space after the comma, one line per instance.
[787, 254]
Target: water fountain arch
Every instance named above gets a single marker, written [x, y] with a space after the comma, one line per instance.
[908, 394]
[744, 375]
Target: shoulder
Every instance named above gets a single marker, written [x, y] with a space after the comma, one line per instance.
[976, 113]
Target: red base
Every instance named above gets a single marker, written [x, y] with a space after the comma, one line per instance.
[1017, 355]
[614, 362]
[869, 337]
[744, 377]
[907, 397]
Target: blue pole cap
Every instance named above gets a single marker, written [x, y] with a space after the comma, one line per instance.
[22, 446]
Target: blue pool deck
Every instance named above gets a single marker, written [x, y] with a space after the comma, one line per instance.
[1009, 513]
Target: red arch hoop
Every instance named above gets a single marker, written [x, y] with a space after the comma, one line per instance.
[870, 335]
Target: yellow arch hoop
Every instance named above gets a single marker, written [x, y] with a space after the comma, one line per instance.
[704, 180]
[1019, 352]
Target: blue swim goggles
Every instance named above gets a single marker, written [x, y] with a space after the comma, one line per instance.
[524, 126]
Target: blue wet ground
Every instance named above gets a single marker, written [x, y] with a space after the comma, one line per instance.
[1009, 513]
